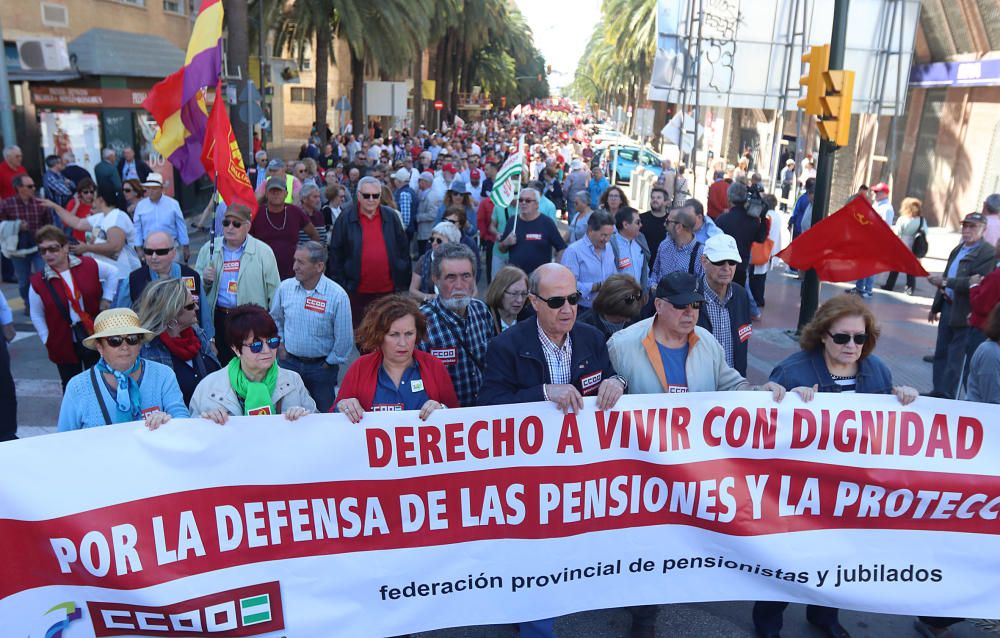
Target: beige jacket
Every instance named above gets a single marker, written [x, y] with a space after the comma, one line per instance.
[215, 391]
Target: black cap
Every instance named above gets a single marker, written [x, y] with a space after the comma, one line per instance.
[679, 288]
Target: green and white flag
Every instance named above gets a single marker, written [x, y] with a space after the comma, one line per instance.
[508, 180]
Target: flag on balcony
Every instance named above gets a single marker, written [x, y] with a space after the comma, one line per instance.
[221, 157]
[177, 103]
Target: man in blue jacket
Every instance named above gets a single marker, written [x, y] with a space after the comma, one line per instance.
[550, 358]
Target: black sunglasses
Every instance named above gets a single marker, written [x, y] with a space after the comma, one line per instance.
[231, 222]
[116, 342]
[156, 251]
[257, 345]
[191, 306]
[724, 262]
[89, 191]
[437, 240]
[841, 338]
[694, 305]
[369, 195]
[558, 302]
[128, 190]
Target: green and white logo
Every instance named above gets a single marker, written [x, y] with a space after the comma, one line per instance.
[256, 609]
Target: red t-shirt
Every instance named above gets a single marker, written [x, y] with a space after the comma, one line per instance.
[375, 274]
[281, 233]
[7, 175]
[81, 210]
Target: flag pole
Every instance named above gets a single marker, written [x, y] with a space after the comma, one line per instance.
[215, 210]
[520, 178]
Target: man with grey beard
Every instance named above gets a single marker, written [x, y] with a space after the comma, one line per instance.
[459, 326]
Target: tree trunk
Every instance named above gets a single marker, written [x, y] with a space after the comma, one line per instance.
[357, 94]
[239, 64]
[418, 81]
[323, 37]
[444, 86]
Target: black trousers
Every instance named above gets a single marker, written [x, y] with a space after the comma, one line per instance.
[8, 397]
[890, 281]
[757, 284]
[767, 616]
[939, 623]
[88, 359]
[225, 352]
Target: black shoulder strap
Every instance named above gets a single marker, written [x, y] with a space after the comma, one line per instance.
[100, 397]
[63, 310]
[694, 257]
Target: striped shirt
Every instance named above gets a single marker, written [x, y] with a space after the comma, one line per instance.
[845, 384]
[314, 323]
[670, 258]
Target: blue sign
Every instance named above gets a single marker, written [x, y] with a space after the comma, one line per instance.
[975, 73]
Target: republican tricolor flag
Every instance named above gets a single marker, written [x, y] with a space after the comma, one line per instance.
[177, 103]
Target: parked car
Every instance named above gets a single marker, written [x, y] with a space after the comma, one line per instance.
[628, 158]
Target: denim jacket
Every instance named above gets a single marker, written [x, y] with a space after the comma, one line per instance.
[808, 368]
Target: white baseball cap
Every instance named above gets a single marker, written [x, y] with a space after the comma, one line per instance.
[722, 247]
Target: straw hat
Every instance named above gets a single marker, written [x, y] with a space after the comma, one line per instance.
[116, 322]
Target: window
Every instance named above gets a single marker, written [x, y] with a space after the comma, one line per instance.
[134, 3]
[173, 6]
[648, 159]
[628, 155]
[54, 15]
[303, 95]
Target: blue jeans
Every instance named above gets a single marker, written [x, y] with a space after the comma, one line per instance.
[865, 285]
[949, 352]
[23, 268]
[538, 628]
[320, 380]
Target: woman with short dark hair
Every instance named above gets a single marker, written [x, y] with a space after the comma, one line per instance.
[251, 384]
[616, 306]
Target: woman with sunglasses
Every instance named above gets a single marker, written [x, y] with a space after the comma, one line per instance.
[81, 204]
[122, 387]
[507, 298]
[132, 189]
[251, 384]
[421, 286]
[836, 356]
[393, 375]
[168, 309]
[616, 305]
[109, 234]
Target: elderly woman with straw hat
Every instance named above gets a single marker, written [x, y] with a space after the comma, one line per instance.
[122, 387]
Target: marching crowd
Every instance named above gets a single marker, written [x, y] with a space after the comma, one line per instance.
[381, 243]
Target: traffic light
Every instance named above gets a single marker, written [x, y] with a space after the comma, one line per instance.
[818, 59]
[835, 118]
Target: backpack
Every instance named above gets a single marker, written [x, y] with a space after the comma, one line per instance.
[920, 245]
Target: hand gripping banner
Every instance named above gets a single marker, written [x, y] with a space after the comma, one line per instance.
[265, 527]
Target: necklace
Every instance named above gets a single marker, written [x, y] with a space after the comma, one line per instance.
[284, 222]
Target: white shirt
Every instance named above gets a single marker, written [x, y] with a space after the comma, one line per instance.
[100, 224]
[108, 275]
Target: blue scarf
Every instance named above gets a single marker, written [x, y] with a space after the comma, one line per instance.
[127, 393]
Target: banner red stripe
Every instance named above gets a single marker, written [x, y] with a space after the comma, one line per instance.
[712, 495]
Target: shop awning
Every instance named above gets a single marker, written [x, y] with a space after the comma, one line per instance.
[109, 52]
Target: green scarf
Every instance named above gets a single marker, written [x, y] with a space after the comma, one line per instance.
[256, 395]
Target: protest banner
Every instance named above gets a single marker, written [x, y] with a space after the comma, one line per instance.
[265, 527]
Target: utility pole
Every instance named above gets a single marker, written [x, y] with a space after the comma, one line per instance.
[6, 109]
[809, 299]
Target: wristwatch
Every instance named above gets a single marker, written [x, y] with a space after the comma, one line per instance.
[622, 380]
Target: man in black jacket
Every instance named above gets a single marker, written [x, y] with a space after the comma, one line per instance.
[369, 252]
[738, 224]
[726, 309]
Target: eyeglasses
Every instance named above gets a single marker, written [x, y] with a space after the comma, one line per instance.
[257, 345]
[128, 190]
[31, 186]
[162, 252]
[437, 240]
[89, 191]
[525, 200]
[369, 195]
[631, 299]
[724, 262]
[226, 223]
[558, 302]
[116, 342]
[694, 305]
[191, 306]
[841, 338]
[50, 249]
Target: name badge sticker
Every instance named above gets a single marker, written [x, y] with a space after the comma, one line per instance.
[189, 282]
[232, 286]
[231, 266]
[388, 407]
[590, 382]
[447, 356]
[417, 385]
[533, 237]
[316, 304]
[624, 262]
[262, 411]
[744, 332]
[149, 411]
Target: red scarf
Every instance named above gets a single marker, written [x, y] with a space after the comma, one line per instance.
[185, 347]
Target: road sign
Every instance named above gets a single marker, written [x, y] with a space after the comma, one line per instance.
[438, 105]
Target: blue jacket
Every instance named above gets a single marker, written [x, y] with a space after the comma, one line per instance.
[795, 221]
[516, 368]
[738, 308]
[808, 368]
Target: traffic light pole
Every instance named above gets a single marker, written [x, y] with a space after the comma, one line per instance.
[809, 295]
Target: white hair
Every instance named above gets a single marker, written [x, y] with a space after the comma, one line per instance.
[10, 150]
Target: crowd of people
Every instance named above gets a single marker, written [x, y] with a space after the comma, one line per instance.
[382, 243]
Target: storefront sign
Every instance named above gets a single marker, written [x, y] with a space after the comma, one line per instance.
[87, 98]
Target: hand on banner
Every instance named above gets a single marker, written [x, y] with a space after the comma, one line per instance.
[216, 415]
[428, 408]
[777, 391]
[296, 413]
[156, 419]
[351, 408]
[806, 393]
[567, 397]
[608, 393]
[905, 394]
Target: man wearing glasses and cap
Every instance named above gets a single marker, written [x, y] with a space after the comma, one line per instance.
[157, 211]
[725, 311]
[550, 358]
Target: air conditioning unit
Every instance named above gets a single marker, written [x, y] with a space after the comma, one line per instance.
[43, 54]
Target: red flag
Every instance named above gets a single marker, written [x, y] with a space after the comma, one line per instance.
[852, 243]
[221, 156]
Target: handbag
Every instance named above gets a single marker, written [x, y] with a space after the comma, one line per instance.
[78, 330]
[920, 245]
[760, 252]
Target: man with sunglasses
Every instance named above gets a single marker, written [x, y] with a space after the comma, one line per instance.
[726, 309]
[160, 254]
[679, 251]
[237, 270]
[550, 358]
[670, 352]
[530, 239]
[33, 215]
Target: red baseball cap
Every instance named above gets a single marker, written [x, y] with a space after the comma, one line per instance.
[475, 174]
[449, 168]
[881, 187]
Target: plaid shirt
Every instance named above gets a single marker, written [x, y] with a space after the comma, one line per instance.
[32, 213]
[559, 359]
[460, 343]
[57, 188]
[719, 318]
[671, 258]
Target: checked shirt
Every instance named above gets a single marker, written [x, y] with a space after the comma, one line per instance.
[460, 344]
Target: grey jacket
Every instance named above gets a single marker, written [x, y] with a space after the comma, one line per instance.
[215, 391]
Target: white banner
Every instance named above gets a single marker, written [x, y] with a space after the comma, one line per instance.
[491, 515]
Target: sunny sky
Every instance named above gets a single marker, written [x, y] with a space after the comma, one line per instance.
[561, 28]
